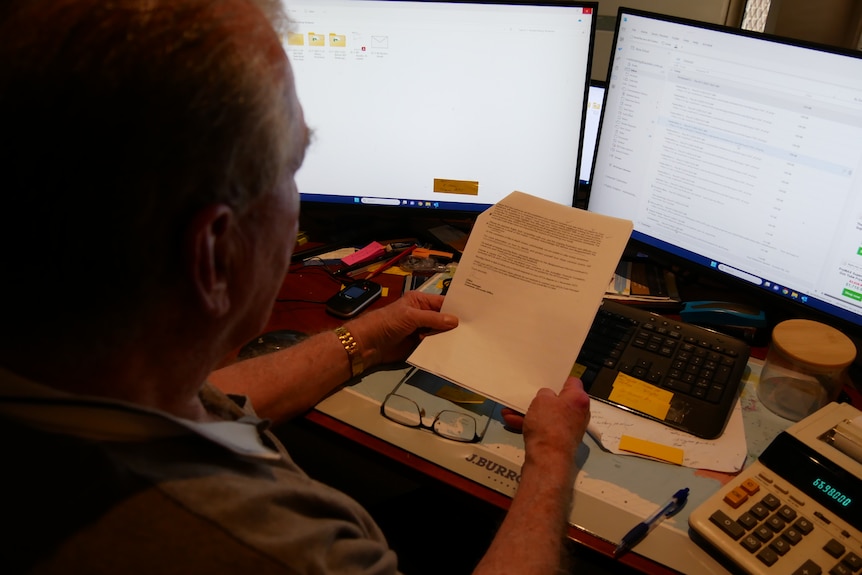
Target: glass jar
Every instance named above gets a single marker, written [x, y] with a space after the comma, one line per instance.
[805, 368]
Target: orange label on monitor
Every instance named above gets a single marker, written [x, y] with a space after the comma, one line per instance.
[465, 187]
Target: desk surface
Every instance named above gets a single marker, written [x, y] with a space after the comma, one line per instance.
[612, 492]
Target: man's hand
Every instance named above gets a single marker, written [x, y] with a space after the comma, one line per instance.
[390, 333]
[553, 419]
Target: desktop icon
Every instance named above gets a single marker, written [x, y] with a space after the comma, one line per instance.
[379, 42]
[295, 39]
[337, 40]
[316, 39]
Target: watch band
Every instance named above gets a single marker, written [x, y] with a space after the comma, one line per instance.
[351, 346]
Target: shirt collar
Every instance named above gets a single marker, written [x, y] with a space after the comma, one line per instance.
[102, 419]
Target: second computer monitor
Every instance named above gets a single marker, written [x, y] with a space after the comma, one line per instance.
[738, 152]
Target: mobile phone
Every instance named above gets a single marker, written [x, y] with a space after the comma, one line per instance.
[354, 298]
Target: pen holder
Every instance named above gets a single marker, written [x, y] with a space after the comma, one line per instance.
[805, 368]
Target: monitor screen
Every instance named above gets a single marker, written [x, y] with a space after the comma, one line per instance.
[740, 152]
[592, 118]
[445, 105]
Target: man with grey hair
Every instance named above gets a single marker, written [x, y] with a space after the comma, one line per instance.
[148, 152]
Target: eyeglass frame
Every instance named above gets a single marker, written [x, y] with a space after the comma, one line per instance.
[421, 425]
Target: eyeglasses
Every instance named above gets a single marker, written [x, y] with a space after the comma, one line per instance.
[450, 424]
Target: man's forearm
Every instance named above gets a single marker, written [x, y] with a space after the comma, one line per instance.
[530, 539]
[287, 383]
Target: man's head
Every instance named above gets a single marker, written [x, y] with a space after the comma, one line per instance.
[122, 124]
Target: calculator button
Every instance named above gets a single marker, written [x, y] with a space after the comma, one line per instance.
[748, 520]
[809, 568]
[840, 569]
[728, 525]
[768, 556]
[780, 546]
[735, 497]
[759, 510]
[804, 525]
[853, 561]
[751, 543]
[771, 501]
[787, 513]
[776, 523]
[792, 536]
[763, 532]
[834, 548]
[750, 486]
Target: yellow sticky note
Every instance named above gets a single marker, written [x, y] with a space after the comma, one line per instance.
[459, 395]
[652, 449]
[639, 395]
[465, 187]
[578, 370]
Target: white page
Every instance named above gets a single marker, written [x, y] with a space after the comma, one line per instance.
[526, 291]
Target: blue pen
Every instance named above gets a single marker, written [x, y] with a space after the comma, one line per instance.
[640, 530]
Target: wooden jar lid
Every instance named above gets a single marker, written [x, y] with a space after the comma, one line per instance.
[813, 344]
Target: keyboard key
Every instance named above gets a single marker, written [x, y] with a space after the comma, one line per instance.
[687, 360]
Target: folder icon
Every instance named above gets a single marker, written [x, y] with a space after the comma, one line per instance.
[337, 40]
[294, 39]
[379, 41]
[316, 39]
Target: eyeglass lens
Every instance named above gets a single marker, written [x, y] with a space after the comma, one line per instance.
[448, 424]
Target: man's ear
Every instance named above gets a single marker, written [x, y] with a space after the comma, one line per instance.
[209, 245]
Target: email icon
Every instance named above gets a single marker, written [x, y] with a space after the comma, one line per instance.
[337, 40]
[316, 39]
[379, 42]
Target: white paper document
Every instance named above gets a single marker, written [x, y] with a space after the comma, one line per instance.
[526, 291]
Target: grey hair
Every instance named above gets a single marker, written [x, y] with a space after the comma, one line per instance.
[119, 120]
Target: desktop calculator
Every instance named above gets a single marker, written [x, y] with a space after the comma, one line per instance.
[797, 509]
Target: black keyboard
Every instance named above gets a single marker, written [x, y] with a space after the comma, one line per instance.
[701, 368]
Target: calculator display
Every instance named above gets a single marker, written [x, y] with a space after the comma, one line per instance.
[820, 478]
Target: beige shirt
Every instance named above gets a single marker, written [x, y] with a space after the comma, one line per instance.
[109, 487]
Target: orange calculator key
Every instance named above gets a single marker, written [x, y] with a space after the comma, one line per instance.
[750, 486]
[735, 497]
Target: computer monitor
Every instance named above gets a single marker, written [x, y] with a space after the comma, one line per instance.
[444, 105]
[740, 153]
[592, 119]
